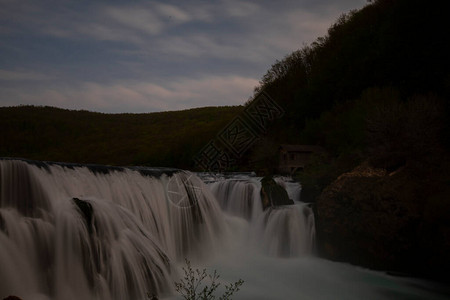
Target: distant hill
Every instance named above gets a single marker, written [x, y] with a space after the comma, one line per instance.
[169, 139]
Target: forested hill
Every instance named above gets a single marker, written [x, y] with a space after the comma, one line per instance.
[169, 139]
[402, 44]
[390, 56]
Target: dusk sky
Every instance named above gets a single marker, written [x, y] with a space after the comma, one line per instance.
[146, 56]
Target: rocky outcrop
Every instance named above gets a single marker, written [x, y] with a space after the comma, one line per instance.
[392, 221]
[273, 194]
[86, 210]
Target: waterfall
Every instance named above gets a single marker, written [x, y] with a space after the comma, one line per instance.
[238, 197]
[285, 231]
[282, 231]
[95, 232]
[72, 231]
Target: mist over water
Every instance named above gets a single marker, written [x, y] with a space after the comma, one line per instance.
[84, 232]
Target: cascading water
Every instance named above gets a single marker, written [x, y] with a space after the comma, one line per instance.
[95, 232]
[77, 232]
[286, 230]
[238, 197]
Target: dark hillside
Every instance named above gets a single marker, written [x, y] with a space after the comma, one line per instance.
[156, 139]
[401, 44]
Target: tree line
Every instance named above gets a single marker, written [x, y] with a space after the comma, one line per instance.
[167, 139]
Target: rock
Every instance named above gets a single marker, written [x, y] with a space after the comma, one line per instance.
[378, 220]
[273, 194]
[86, 210]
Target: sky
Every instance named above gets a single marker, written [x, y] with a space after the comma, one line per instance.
[147, 56]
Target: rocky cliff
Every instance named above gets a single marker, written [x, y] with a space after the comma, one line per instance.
[398, 221]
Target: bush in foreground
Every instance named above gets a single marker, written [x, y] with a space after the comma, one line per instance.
[191, 286]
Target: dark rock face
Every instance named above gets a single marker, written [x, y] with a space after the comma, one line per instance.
[273, 194]
[87, 211]
[384, 221]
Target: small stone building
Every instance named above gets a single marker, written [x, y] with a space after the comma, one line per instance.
[295, 157]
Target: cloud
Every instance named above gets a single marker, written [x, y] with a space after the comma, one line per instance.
[143, 20]
[7, 75]
[174, 13]
[227, 90]
[134, 96]
[207, 47]
[239, 9]
[243, 30]
[138, 55]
